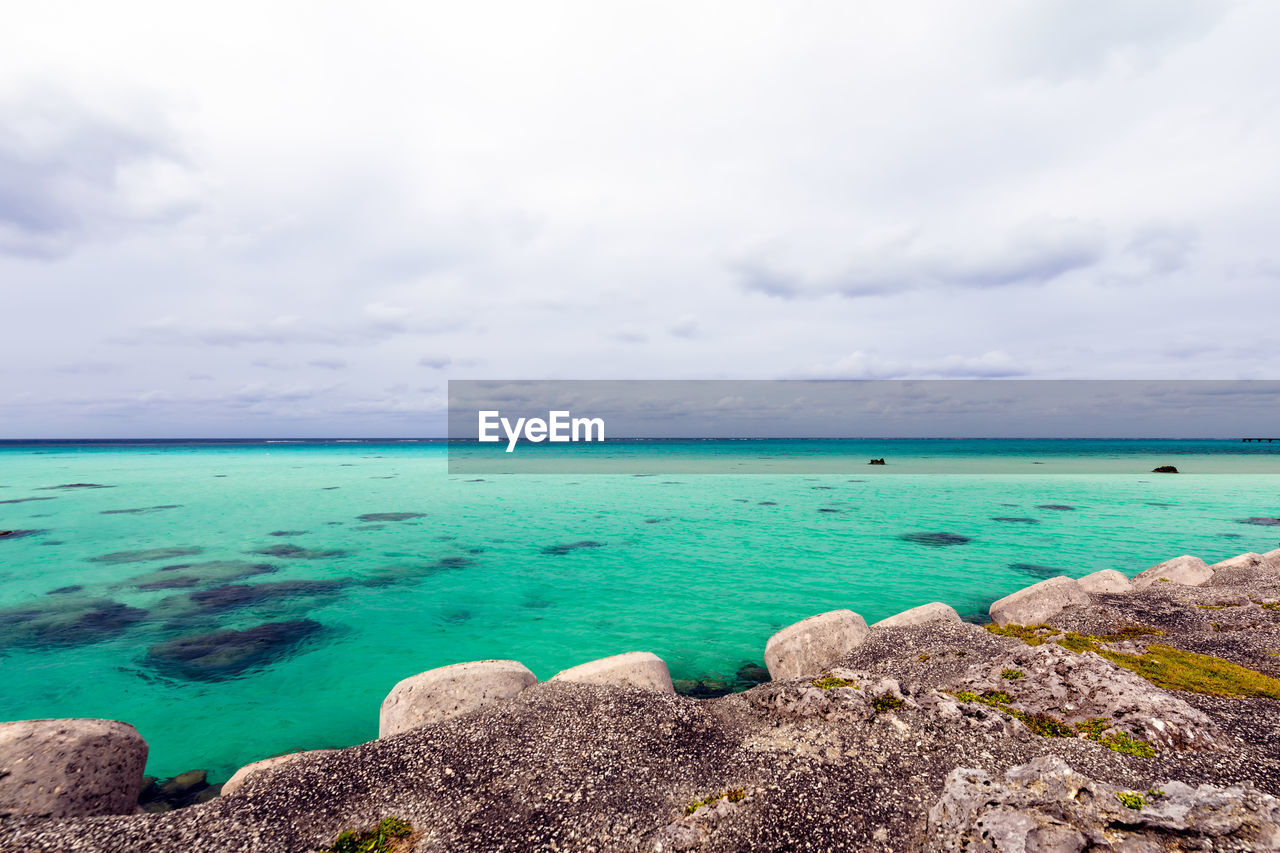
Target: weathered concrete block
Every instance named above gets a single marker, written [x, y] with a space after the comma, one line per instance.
[448, 691]
[1038, 602]
[1186, 570]
[632, 669]
[237, 780]
[1107, 580]
[809, 646]
[925, 614]
[70, 768]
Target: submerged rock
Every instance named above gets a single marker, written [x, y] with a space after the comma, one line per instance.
[139, 510]
[391, 516]
[935, 540]
[222, 655]
[557, 550]
[19, 534]
[147, 555]
[186, 575]
[66, 621]
[69, 768]
[1010, 519]
[1036, 570]
[76, 486]
[297, 552]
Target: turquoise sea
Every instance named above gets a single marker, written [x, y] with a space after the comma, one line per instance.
[238, 600]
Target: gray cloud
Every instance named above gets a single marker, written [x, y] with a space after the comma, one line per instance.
[70, 174]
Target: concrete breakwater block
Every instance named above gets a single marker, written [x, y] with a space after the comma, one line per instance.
[70, 768]
[237, 780]
[1038, 602]
[809, 646]
[925, 614]
[449, 691]
[632, 669]
[1107, 580]
[1186, 570]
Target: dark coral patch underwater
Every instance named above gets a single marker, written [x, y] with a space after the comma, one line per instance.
[147, 555]
[186, 575]
[935, 540]
[227, 654]
[296, 552]
[1036, 571]
[558, 550]
[391, 516]
[61, 622]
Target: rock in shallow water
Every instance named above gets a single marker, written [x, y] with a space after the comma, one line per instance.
[810, 645]
[1038, 602]
[449, 691]
[223, 655]
[1186, 570]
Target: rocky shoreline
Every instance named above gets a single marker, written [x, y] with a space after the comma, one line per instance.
[1092, 714]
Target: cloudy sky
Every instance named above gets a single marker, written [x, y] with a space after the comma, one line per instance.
[303, 218]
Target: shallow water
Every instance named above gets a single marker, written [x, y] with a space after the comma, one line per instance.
[372, 563]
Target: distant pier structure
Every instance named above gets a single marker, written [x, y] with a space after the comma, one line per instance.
[1267, 440]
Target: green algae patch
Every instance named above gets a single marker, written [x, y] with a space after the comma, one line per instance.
[733, 795]
[1032, 635]
[1012, 674]
[829, 682]
[1174, 669]
[381, 839]
[1130, 799]
[887, 702]
[1124, 744]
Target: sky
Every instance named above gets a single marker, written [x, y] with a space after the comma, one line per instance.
[303, 219]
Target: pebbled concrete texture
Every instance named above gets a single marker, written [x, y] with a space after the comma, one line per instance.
[1038, 602]
[70, 768]
[806, 647]
[642, 670]
[448, 691]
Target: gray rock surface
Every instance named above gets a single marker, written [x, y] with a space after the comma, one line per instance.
[922, 615]
[643, 670]
[808, 646]
[1079, 687]
[69, 768]
[448, 691]
[1107, 580]
[1185, 570]
[1046, 806]
[1038, 602]
[259, 768]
